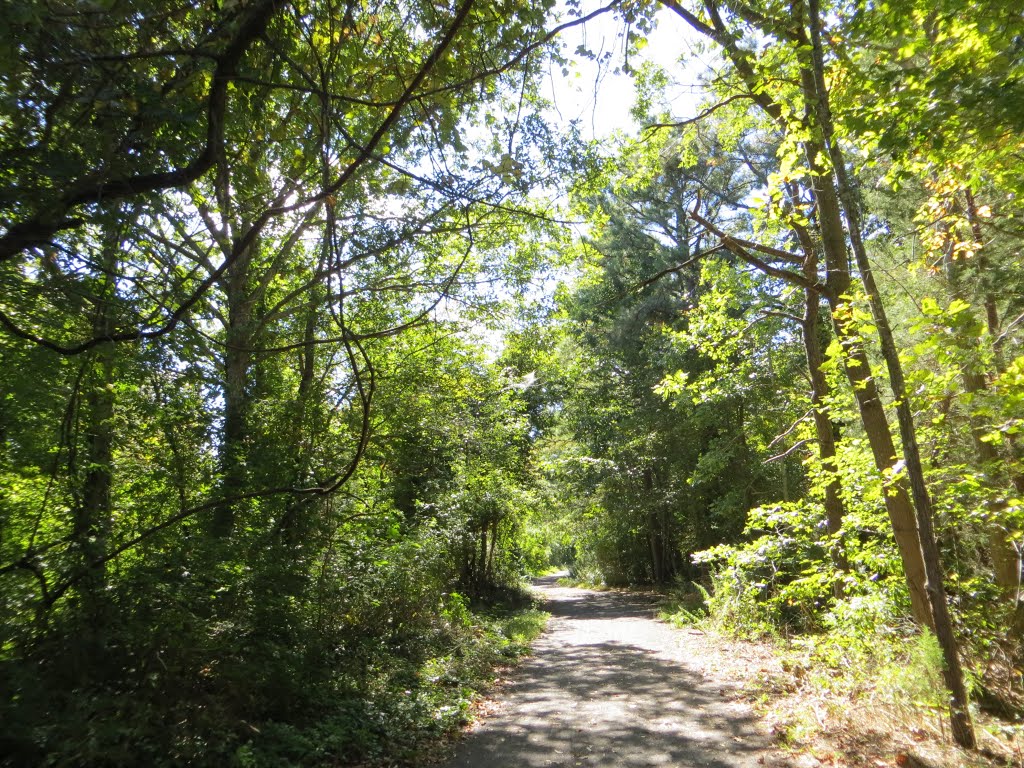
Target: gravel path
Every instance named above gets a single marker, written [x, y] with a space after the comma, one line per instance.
[609, 686]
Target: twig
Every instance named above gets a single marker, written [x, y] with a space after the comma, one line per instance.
[706, 113]
[786, 453]
[789, 431]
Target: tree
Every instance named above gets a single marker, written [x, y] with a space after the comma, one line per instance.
[667, 476]
[809, 130]
[216, 225]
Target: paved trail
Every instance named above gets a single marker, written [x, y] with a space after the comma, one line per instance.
[608, 686]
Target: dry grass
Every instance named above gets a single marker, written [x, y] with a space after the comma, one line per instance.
[861, 727]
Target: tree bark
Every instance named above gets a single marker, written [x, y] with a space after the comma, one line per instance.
[834, 508]
[832, 235]
[237, 400]
[960, 719]
[911, 522]
[898, 504]
[94, 513]
[902, 514]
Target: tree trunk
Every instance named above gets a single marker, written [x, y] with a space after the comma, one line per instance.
[482, 578]
[960, 719]
[834, 508]
[832, 234]
[1006, 559]
[653, 530]
[237, 401]
[293, 527]
[94, 513]
[902, 514]
[490, 555]
[856, 364]
[657, 567]
[912, 522]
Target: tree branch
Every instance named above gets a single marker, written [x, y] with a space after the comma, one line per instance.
[790, 450]
[41, 228]
[736, 247]
[244, 242]
[705, 113]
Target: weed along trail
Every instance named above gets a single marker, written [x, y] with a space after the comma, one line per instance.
[609, 685]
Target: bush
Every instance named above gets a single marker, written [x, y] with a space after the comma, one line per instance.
[268, 667]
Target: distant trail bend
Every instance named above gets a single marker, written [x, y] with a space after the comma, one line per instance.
[609, 686]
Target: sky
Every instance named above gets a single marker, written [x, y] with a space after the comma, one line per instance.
[600, 98]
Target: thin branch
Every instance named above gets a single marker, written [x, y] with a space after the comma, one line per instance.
[787, 452]
[736, 247]
[782, 315]
[1012, 324]
[706, 113]
[676, 268]
[767, 314]
[768, 250]
[775, 441]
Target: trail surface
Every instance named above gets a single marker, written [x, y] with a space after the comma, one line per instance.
[610, 686]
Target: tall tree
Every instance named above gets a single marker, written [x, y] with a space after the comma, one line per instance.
[809, 130]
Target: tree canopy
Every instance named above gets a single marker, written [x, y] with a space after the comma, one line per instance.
[321, 330]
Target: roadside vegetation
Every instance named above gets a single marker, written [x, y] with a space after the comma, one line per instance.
[830, 700]
[319, 332]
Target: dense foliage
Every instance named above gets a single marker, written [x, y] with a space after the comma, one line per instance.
[819, 274]
[282, 405]
[255, 464]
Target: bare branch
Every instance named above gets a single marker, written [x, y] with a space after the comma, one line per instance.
[778, 438]
[736, 247]
[676, 268]
[705, 113]
[790, 450]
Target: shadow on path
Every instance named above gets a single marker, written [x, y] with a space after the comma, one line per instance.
[608, 686]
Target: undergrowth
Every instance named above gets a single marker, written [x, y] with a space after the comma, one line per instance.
[861, 650]
[863, 669]
[370, 699]
[406, 705]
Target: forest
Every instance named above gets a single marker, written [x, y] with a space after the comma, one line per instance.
[320, 331]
